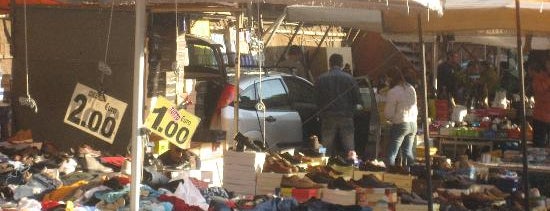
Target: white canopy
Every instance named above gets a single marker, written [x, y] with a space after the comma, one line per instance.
[366, 19]
[472, 15]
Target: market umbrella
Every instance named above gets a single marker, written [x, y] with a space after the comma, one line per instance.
[530, 17]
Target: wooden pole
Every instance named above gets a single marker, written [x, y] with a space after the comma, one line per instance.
[425, 116]
[522, 116]
[237, 72]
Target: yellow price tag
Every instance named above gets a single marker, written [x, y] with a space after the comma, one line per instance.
[175, 126]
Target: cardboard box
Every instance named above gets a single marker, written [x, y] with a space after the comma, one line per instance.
[347, 171]
[336, 196]
[401, 181]
[255, 159]
[383, 206]
[359, 174]
[366, 196]
[267, 183]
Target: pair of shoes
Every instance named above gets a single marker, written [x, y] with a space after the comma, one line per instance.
[476, 200]
[273, 165]
[290, 158]
[371, 181]
[374, 165]
[297, 182]
[88, 150]
[339, 161]
[92, 164]
[398, 170]
[342, 184]
[320, 177]
[243, 141]
[326, 170]
[410, 198]
[457, 183]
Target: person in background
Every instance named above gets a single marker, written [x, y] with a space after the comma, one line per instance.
[347, 69]
[294, 62]
[337, 98]
[541, 116]
[445, 75]
[401, 111]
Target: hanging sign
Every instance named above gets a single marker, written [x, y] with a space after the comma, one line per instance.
[94, 113]
[176, 126]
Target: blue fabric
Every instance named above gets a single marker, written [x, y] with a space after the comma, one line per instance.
[401, 135]
[318, 205]
[276, 204]
[111, 196]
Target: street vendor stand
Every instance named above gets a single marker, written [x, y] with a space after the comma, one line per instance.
[529, 17]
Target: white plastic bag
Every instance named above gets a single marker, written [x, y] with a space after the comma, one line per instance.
[190, 194]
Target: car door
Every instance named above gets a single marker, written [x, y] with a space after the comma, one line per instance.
[282, 124]
[302, 99]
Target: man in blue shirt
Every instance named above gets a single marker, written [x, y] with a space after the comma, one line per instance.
[337, 98]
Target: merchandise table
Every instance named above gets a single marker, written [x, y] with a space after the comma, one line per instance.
[470, 141]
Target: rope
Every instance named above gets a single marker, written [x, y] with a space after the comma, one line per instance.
[109, 31]
[103, 67]
[26, 48]
[27, 101]
[260, 63]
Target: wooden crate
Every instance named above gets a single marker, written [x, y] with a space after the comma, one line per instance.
[336, 196]
[366, 196]
[401, 181]
[359, 174]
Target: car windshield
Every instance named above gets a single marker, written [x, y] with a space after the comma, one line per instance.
[202, 55]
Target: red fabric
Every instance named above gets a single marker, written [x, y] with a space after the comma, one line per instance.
[541, 91]
[115, 161]
[178, 203]
[123, 180]
[49, 204]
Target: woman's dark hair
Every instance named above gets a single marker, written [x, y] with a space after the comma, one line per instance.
[396, 76]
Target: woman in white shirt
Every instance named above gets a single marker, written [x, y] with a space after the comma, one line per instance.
[402, 111]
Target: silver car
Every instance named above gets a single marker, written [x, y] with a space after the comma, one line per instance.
[289, 115]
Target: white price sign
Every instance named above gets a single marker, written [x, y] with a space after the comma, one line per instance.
[95, 114]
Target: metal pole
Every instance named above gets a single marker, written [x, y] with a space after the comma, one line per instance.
[525, 176]
[237, 72]
[435, 58]
[425, 116]
[296, 30]
[137, 108]
[275, 27]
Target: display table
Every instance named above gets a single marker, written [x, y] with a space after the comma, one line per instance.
[470, 141]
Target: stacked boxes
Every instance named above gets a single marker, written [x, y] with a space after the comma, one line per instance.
[401, 181]
[240, 169]
[336, 196]
[267, 183]
[373, 196]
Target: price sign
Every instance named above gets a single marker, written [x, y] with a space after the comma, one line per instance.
[176, 126]
[93, 113]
